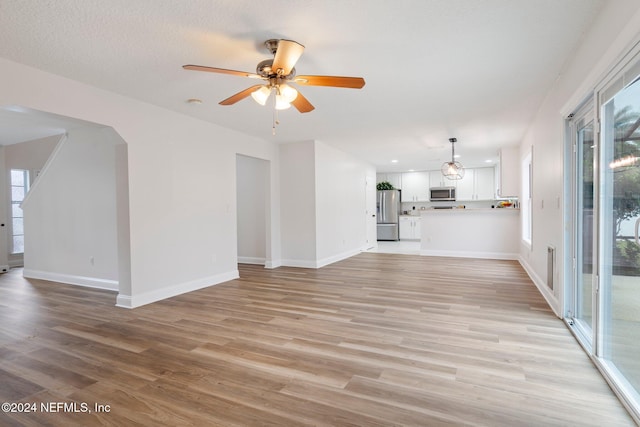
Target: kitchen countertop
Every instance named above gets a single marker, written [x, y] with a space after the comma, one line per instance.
[430, 211]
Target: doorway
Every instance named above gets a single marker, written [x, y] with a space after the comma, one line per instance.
[252, 208]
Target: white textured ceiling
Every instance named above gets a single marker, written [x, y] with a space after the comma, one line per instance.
[473, 69]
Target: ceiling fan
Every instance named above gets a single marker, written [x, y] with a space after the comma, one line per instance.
[277, 74]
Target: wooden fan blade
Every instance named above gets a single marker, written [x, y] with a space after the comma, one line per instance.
[287, 54]
[333, 81]
[221, 71]
[302, 104]
[240, 95]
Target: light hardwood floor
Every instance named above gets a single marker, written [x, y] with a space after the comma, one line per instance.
[375, 340]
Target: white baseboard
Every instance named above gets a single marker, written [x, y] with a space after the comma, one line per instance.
[298, 263]
[463, 254]
[321, 262]
[90, 282]
[4, 268]
[542, 287]
[273, 264]
[336, 258]
[251, 260]
[133, 301]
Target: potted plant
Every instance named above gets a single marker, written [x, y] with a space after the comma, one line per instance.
[385, 185]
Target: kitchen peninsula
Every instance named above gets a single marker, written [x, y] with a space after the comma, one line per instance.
[471, 233]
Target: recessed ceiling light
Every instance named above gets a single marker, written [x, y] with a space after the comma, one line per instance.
[194, 101]
[456, 156]
[394, 161]
[488, 161]
[412, 170]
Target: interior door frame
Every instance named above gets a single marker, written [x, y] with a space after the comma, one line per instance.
[370, 212]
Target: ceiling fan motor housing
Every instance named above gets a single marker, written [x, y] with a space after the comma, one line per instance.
[265, 70]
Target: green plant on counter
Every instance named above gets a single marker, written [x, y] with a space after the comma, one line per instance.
[385, 185]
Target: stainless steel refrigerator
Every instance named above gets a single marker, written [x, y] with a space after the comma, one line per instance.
[388, 214]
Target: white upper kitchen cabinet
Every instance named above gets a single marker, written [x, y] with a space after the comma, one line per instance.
[393, 178]
[485, 183]
[415, 187]
[436, 179]
[509, 172]
[477, 184]
[465, 187]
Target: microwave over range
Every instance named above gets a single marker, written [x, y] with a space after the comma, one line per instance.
[442, 194]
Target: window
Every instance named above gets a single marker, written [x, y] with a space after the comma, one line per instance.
[525, 206]
[19, 188]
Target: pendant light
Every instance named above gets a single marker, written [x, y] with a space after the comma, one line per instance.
[452, 170]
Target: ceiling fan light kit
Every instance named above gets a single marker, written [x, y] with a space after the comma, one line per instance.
[277, 73]
[261, 95]
[282, 103]
[452, 170]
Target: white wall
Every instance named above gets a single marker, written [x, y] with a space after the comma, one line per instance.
[252, 178]
[298, 204]
[324, 212]
[341, 203]
[471, 233]
[70, 213]
[613, 33]
[182, 221]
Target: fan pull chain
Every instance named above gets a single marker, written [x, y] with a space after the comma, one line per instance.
[276, 121]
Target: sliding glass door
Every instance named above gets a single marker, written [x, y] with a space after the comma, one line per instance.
[619, 342]
[584, 144]
[604, 307]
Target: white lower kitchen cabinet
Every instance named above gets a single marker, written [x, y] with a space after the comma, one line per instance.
[409, 228]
